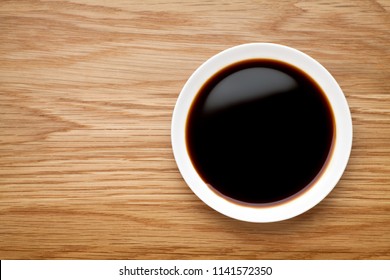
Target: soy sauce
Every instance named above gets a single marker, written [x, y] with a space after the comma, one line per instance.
[260, 131]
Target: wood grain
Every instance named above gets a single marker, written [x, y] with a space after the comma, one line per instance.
[87, 89]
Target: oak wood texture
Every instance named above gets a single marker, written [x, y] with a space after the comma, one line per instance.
[87, 89]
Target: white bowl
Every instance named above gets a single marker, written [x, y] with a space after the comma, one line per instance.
[341, 145]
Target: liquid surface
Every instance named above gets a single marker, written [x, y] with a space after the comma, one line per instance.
[259, 131]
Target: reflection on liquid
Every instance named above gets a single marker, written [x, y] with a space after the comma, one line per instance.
[248, 85]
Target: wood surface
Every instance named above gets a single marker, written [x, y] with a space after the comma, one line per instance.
[87, 90]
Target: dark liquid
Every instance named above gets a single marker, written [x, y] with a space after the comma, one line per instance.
[260, 131]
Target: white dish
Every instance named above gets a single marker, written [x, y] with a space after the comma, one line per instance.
[342, 143]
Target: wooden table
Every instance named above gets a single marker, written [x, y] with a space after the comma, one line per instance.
[87, 89]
